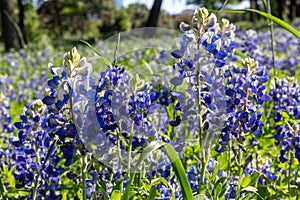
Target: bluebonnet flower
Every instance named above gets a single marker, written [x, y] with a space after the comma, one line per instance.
[289, 140]
[103, 100]
[245, 95]
[267, 170]
[47, 126]
[34, 152]
[194, 178]
[286, 96]
[124, 108]
[232, 187]
[204, 53]
[5, 117]
[257, 45]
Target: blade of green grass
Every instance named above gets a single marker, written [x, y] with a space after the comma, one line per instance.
[179, 171]
[106, 61]
[278, 21]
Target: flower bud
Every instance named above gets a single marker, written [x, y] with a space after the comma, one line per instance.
[184, 27]
[250, 63]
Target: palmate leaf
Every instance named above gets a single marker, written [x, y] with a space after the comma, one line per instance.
[278, 21]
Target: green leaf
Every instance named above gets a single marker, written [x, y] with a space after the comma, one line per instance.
[221, 181]
[2, 190]
[224, 189]
[250, 189]
[152, 193]
[247, 197]
[223, 162]
[278, 21]
[239, 53]
[116, 195]
[200, 197]
[160, 180]
[179, 171]
[254, 178]
[217, 190]
[245, 180]
[102, 186]
[216, 169]
[263, 191]
[118, 186]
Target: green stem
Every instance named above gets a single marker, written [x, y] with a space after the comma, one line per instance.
[296, 177]
[119, 150]
[200, 131]
[2, 190]
[83, 173]
[130, 149]
[240, 171]
[229, 158]
[271, 26]
[39, 171]
[289, 175]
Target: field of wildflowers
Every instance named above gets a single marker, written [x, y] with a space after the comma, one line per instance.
[211, 112]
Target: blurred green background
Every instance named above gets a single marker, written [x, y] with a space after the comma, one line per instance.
[62, 23]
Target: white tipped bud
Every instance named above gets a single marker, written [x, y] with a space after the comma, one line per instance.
[184, 27]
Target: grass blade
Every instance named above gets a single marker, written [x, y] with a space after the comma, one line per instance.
[278, 21]
[179, 171]
[106, 61]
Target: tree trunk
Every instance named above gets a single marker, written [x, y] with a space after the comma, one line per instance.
[257, 7]
[153, 18]
[298, 8]
[9, 32]
[252, 14]
[21, 19]
[293, 10]
[280, 9]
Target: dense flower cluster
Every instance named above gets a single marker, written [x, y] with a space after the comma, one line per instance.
[47, 127]
[245, 92]
[5, 117]
[289, 139]
[123, 104]
[286, 96]
[34, 152]
[258, 45]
